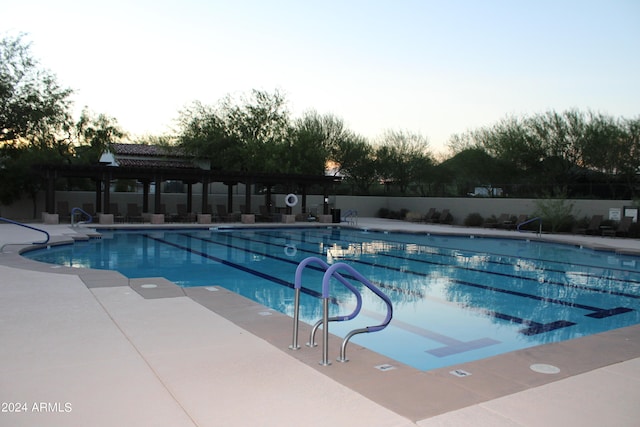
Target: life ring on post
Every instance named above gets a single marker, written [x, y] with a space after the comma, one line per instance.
[291, 200]
[290, 250]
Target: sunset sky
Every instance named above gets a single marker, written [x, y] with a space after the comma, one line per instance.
[435, 68]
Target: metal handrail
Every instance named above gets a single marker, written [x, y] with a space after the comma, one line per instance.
[351, 217]
[332, 272]
[296, 309]
[530, 221]
[10, 221]
[73, 215]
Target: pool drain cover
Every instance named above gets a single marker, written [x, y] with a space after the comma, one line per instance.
[460, 373]
[542, 368]
[149, 286]
[385, 367]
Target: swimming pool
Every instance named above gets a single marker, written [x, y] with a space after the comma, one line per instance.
[456, 299]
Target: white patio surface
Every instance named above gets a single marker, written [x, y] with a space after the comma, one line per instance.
[73, 355]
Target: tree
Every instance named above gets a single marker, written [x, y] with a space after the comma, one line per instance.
[31, 100]
[95, 134]
[251, 133]
[261, 124]
[317, 139]
[401, 158]
[204, 134]
[354, 158]
[474, 167]
[35, 121]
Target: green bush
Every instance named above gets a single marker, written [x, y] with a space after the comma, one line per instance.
[474, 220]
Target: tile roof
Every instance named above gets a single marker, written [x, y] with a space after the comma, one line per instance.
[147, 150]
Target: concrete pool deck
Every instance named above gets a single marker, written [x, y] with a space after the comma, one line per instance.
[90, 347]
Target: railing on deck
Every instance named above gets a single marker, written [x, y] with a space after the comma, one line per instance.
[25, 226]
[78, 211]
[530, 221]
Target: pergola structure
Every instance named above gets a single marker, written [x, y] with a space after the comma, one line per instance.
[103, 174]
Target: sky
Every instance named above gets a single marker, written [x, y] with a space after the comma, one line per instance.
[434, 68]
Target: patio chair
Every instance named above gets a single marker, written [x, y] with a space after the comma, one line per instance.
[621, 230]
[593, 227]
[88, 208]
[497, 223]
[265, 215]
[117, 216]
[223, 215]
[62, 209]
[445, 217]
[133, 213]
[183, 215]
[431, 215]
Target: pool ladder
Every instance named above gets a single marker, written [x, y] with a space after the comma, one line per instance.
[333, 272]
[350, 217]
[79, 212]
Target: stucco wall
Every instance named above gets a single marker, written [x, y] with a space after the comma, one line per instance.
[367, 206]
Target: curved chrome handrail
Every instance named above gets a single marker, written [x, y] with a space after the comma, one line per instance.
[73, 215]
[296, 310]
[530, 221]
[10, 221]
[334, 272]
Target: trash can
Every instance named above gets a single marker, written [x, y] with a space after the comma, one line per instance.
[335, 216]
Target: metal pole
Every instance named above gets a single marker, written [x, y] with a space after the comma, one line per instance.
[325, 333]
[296, 315]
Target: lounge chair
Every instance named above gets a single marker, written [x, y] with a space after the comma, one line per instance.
[133, 213]
[500, 222]
[431, 215]
[445, 217]
[183, 215]
[88, 208]
[265, 215]
[507, 222]
[621, 230]
[115, 211]
[224, 216]
[63, 211]
[514, 222]
[593, 227]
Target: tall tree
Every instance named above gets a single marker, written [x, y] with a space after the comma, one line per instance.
[316, 141]
[354, 158]
[35, 120]
[249, 133]
[31, 100]
[95, 134]
[402, 157]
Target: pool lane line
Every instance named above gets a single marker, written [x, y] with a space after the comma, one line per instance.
[499, 262]
[451, 345]
[237, 266]
[597, 312]
[535, 326]
[551, 282]
[525, 258]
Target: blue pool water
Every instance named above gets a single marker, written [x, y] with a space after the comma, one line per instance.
[455, 299]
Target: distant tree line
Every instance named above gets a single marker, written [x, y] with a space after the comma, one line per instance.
[570, 154]
[567, 154]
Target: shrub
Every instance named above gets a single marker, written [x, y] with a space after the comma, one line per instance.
[413, 216]
[556, 214]
[383, 213]
[474, 220]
